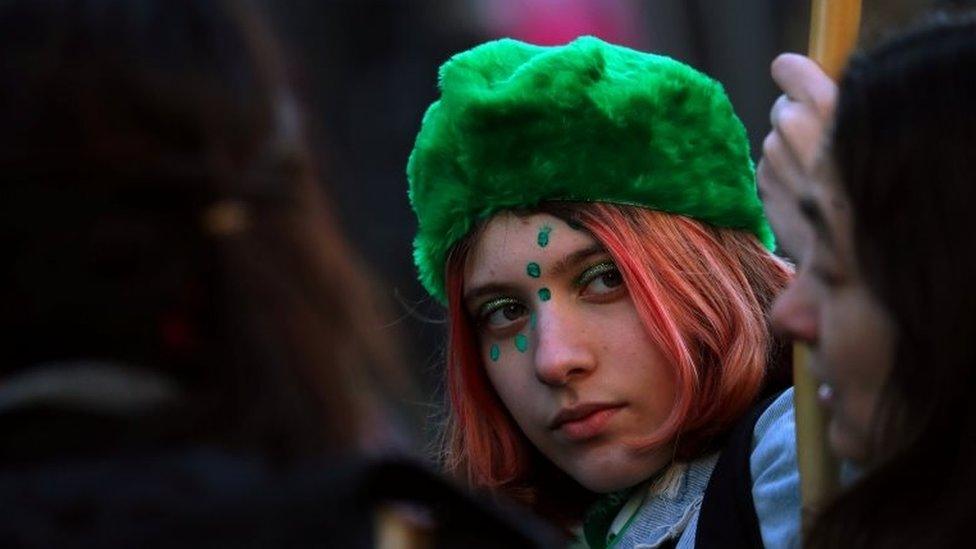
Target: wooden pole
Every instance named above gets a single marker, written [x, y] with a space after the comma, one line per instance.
[834, 26]
[819, 471]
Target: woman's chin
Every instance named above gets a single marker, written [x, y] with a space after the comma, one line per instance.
[617, 470]
[605, 484]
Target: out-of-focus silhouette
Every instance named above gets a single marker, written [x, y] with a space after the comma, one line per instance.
[192, 350]
[162, 213]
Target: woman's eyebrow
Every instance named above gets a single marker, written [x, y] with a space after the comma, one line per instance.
[811, 211]
[560, 267]
[485, 289]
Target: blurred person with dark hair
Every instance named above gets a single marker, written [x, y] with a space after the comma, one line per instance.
[163, 212]
[187, 334]
[879, 216]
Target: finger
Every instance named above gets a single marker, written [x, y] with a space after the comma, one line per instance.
[803, 80]
[783, 167]
[801, 131]
[768, 184]
[780, 207]
[778, 106]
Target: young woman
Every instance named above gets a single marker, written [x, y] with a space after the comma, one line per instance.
[883, 297]
[588, 214]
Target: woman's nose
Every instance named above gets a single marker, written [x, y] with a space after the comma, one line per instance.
[795, 311]
[563, 351]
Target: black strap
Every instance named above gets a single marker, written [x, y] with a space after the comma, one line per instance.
[670, 543]
[728, 514]
[600, 516]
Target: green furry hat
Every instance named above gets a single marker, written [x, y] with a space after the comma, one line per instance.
[519, 124]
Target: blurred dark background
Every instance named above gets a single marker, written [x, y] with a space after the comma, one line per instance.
[367, 70]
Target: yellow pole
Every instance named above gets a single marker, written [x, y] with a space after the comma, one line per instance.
[834, 26]
[818, 467]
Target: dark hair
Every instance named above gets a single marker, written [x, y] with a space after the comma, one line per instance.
[904, 146]
[160, 209]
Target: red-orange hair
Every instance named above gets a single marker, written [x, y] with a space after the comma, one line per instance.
[703, 294]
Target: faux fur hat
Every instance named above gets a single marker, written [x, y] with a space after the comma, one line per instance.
[518, 124]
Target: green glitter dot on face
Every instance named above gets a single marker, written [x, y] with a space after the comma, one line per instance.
[533, 320]
[521, 342]
[543, 238]
[494, 353]
[533, 270]
[544, 294]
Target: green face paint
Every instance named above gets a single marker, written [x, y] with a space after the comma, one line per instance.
[494, 353]
[533, 320]
[521, 342]
[543, 238]
[533, 270]
[544, 294]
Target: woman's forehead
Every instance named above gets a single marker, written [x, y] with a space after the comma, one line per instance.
[510, 239]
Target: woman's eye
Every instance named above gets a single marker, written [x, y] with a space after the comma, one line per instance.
[827, 277]
[601, 279]
[503, 312]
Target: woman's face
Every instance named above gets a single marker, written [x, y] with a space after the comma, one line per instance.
[566, 351]
[829, 306]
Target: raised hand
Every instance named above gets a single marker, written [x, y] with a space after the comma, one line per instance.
[800, 119]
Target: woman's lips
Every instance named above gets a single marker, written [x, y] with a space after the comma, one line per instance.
[584, 422]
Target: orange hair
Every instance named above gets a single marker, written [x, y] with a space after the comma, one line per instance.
[703, 294]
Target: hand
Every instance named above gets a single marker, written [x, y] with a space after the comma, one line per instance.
[793, 147]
